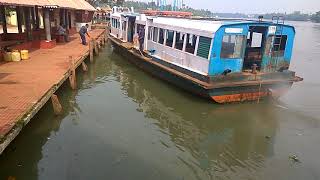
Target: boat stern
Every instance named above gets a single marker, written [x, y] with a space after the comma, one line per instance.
[251, 87]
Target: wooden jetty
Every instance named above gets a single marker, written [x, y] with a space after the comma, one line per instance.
[27, 85]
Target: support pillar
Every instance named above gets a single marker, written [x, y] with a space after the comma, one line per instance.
[47, 24]
[103, 40]
[57, 108]
[33, 18]
[72, 77]
[27, 16]
[99, 44]
[96, 50]
[37, 19]
[67, 19]
[63, 15]
[91, 50]
[3, 17]
[19, 18]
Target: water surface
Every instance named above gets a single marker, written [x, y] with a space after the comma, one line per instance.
[124, 124]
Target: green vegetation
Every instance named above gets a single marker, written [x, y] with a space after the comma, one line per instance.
[316, 17]
[138, 6]
[108, 2]
[295, 16]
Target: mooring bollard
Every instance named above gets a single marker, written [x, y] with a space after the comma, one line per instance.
[72, 77]
[57, 108]
[91, 50]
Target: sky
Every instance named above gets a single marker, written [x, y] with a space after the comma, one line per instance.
[250, 6]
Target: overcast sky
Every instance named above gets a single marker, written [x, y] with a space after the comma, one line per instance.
[257, 6]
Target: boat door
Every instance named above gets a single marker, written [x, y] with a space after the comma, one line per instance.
[256, 41]
[124, 30]
[131, 26]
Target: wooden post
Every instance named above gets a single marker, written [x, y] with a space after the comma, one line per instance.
[103, 41]
[19, 18]
[91, 50]
[27, 17]
[33, 18]
[84, 66]
[57, 108]
[96, 50]
[3, 17]
[37, 19]
[47, 24]
[72, 77]
[99, 44]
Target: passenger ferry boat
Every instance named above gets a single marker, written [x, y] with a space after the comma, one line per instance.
[223, 60]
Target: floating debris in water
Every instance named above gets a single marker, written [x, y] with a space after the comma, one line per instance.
[294, 158]
[282, 107]
[268, 137]
[11, 178]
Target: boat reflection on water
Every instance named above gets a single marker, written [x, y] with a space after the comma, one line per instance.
[220, 138]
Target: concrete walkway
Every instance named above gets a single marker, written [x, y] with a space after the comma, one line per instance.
[27, 85]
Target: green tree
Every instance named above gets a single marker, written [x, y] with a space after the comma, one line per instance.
[316, 17]
[98, 2]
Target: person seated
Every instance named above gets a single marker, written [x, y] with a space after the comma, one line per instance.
[61, 31]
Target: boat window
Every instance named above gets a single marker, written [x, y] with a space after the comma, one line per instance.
[150, 31]
[161, 36]
[256, 41]
[279, 46]
[280, 42]
[179, 40]
[204, 47]
[169, 38]
[232, 46]
[191, 43]
[155, 34]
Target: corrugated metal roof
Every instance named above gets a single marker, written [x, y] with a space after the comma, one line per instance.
[82, 4]
[27, 2]
[69, 4]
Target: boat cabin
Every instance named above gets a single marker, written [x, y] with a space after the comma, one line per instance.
[210, 47]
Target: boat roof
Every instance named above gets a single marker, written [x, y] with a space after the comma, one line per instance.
[208, 27]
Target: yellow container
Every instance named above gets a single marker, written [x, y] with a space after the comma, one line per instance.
[16, 56]
[7, 56]
[24, 54]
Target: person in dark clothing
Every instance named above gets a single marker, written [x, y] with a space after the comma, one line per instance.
[141, 38]
[83, 32]
[61, 31]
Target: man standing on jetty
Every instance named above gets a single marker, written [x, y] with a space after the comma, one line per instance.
[83, 32]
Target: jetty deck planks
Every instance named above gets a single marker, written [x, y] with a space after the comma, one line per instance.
[26, 86]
